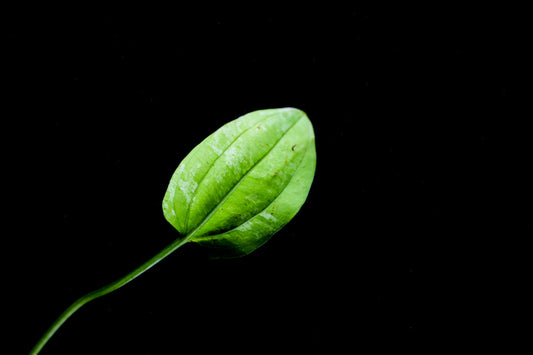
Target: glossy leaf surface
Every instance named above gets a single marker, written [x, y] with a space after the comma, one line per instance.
[244, 182]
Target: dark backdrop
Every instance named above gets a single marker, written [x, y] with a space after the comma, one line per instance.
[411, 235]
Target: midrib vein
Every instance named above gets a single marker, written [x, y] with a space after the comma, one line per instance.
[211, 165]
[228, 194]
[271, 202]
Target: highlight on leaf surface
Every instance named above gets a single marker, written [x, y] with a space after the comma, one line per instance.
[244, 182]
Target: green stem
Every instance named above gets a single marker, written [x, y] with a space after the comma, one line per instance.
[105, 290]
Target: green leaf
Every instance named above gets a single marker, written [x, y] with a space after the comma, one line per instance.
[232, 192]
[244, 182]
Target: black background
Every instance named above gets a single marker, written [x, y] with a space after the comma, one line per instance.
[412, 235]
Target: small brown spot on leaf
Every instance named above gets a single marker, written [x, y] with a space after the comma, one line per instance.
[293, 147]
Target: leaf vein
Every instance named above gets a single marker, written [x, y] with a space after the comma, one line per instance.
[209, 169]
[271, 202]
[228, 194]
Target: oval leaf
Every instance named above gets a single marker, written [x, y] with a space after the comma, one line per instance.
[244, 182]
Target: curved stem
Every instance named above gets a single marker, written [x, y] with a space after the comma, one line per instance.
[105, 290]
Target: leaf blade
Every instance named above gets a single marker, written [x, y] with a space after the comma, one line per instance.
[234, 188]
